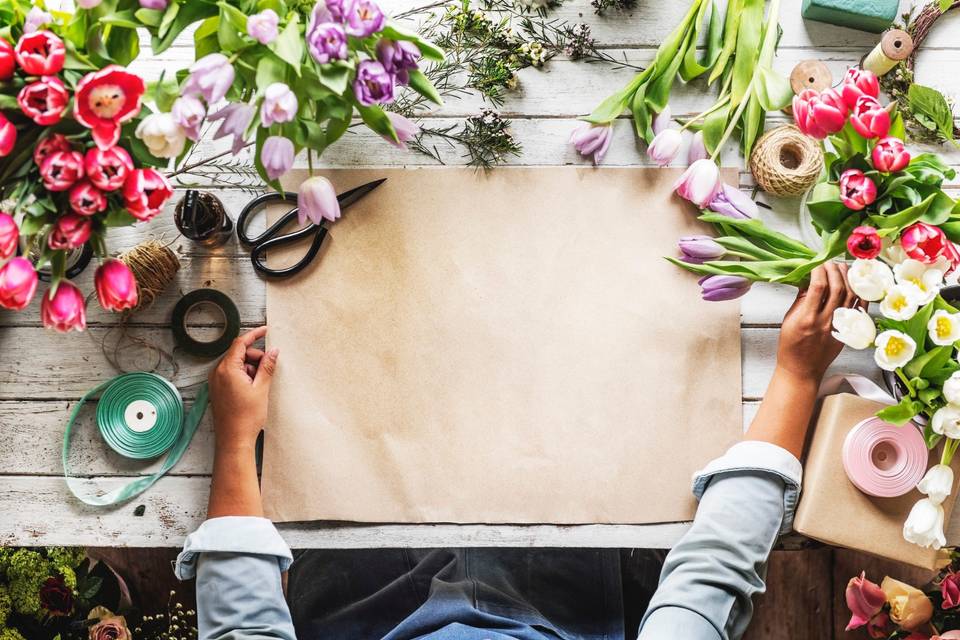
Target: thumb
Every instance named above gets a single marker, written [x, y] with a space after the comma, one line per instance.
[268, 366]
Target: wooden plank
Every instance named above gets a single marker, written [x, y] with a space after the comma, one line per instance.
[798, 602]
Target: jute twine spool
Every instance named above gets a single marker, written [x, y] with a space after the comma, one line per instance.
[154, 266]
[785, 162]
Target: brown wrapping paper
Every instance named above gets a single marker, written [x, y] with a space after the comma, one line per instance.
[834, 511]
[508, 347]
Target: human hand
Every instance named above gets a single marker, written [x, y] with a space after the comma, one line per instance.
[806, 346]
[239, 391]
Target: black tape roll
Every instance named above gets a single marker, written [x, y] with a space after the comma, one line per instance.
[212, 348]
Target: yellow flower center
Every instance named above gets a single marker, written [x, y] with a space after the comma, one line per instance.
[898, 303]
[895, 347]
[919, 283]
[944, 327]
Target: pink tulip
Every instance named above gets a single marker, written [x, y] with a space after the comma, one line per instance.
[665, 146]
[86, 199]
[950, 590]
[8, 60]
[44, 101]
[592, 140]
[889, 155]
[317, 201]
[8, 136]
[9, 236]
[107, 169]
[864, 243]
[145, 191]
[277, 156]
[61, 170]
[698, 149]
[18, 283]
[41, 53]
[116, 287]
[700, 183]
[406, 130]
[819, 114]
[859, 82]
[662, 120]
[924, 242]
[865, 600]
[49, 145]
[279, 104]
[856, 190]
[70, 231]
[66, 310]
[869, 118]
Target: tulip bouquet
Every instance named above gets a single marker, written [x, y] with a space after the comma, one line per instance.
[69, 166]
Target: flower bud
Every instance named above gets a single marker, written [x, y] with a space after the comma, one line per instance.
[18, 283]
[700, 183]
[700, 249]
[40, 53]
[865, 600]
[317, 201]
[86, 199]
[70, 231]
[856, 190]
[145, 191]
[9, 236]
[890, 155]
[116, 287]
[718, 288]
[859, 82]
[870, 118]
[61, 170]
[64, 311]
[923, 242]
[665, 146]
[819, 114]
[864, 242]
[276, 156]
[8, 136]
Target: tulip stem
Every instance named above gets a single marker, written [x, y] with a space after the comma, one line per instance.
[736, 117]
[903, 378]
[949, 448]
[719, 105]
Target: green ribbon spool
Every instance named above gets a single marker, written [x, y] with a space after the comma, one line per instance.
[140, 416]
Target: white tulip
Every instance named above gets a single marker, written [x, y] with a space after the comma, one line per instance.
[162, 135]
[937, 483]
[951, 389]
[944, 327]
[900, 303]
[870, 279]
[853, 327]
[927, 279]
[892, 252]
[946, 422]
[894, 349]
[924, 525]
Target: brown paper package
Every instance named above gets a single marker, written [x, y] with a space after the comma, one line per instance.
[834, 511]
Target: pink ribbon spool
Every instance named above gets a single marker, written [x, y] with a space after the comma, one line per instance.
[884, 460]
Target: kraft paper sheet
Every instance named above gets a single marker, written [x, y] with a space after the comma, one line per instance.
[508, 347]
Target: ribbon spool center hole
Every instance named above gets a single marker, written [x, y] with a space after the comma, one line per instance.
[790, 157]
[884, 456]
[205, 321]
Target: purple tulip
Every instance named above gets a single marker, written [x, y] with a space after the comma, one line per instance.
[733, 203]
[326, 40]
[398, 58]
[700, 183]
[363, 18]
[661, 121]
[317, 201]
[592, 140]
[279, 105]
[698, 150]
[276, 156]
[665, 146]
[211, 77]
[263, 26]
[406, 130]
[717, 288]
[236, 118]
[700, 249]
[337, 9]
[373, 84]
[36, 19]
[188, 112]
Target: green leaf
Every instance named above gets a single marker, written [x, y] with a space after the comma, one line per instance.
[376, 118]
[123, 45]
[916, 328]
[422, 85]
[427, 49]
[149, 17]
[642, 120]
[826, 208]
[119, 218]
[227, 36]
[929, 361]
[931, 103]
[945, 4]
[731, 26]
[334, 77]
[781, 244]
[169, 16]
[939, 210]
[713, 127]
[773, 90]
[122, 19]
[31, 225]
[748, 49]
[90, 587]
[270, 69]
[184, 16]
[234, 16]
[900, 414]
[658, 92]
[692, 67]
[289, 45]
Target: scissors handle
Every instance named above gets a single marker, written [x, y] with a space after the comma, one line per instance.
[257, 256]
[254, 206]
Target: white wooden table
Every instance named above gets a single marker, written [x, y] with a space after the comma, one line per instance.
[43, 373]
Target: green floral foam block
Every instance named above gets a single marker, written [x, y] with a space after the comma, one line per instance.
[866, 15]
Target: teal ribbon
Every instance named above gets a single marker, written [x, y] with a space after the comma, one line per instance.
[140, 416]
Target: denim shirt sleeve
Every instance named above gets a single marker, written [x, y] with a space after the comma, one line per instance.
[237, 562]
[747, 499]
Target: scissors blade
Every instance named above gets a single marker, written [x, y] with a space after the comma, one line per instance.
[353, 195]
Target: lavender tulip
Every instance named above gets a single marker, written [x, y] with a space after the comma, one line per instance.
[263, 26]
[406, 130]
[326, 40]
[398, 58]
[700, 183]
[718, 288]
[665, 146]
[734, 203]
[317, 201]
[337, 9]
[236, 118]
[36, 19]
[279, 105]
[698, 150]
[662, 121]
[592, 140]
[700, 249]
[211, 77]
[188, 112]
[373, 84]
[363, 18]
[276, 156]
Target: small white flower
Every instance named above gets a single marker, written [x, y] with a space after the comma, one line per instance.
[951, 389]
[870, 279]
[894, 349]
[946, 422]
[924, 525]
[854, 328]
[944, 327]
[927, 279]
[900, 303]
[162, 135]
[892, 253]
[937, 483]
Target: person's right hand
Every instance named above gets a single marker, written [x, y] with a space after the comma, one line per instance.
[239, 391]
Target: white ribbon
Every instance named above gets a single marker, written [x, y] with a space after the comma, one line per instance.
[862, 386]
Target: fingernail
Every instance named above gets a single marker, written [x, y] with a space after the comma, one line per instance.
[273, 353]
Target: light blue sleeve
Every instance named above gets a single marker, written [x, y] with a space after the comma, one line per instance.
[747, 499]
[237, 562]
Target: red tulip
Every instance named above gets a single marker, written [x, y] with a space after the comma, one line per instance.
[55, 142]
[61, 170]
[9, 236]
[40, 53]
[18, 283]
[105, 99]
[86, 199]
[8, 136]
[859, 82]
[890, 155]
[116, 287]
[44, 101]
[70, 231]
[145, 192]
[924, 242]
[819, 114]
[8, 60]
[107, 169]
[864, 242]
[856, 190]
[65, 310]
[869, 118]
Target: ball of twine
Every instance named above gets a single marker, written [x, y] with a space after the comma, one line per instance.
[785, 162]
[154, 266]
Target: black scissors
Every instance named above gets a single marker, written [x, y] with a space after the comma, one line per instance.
[271, 238]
